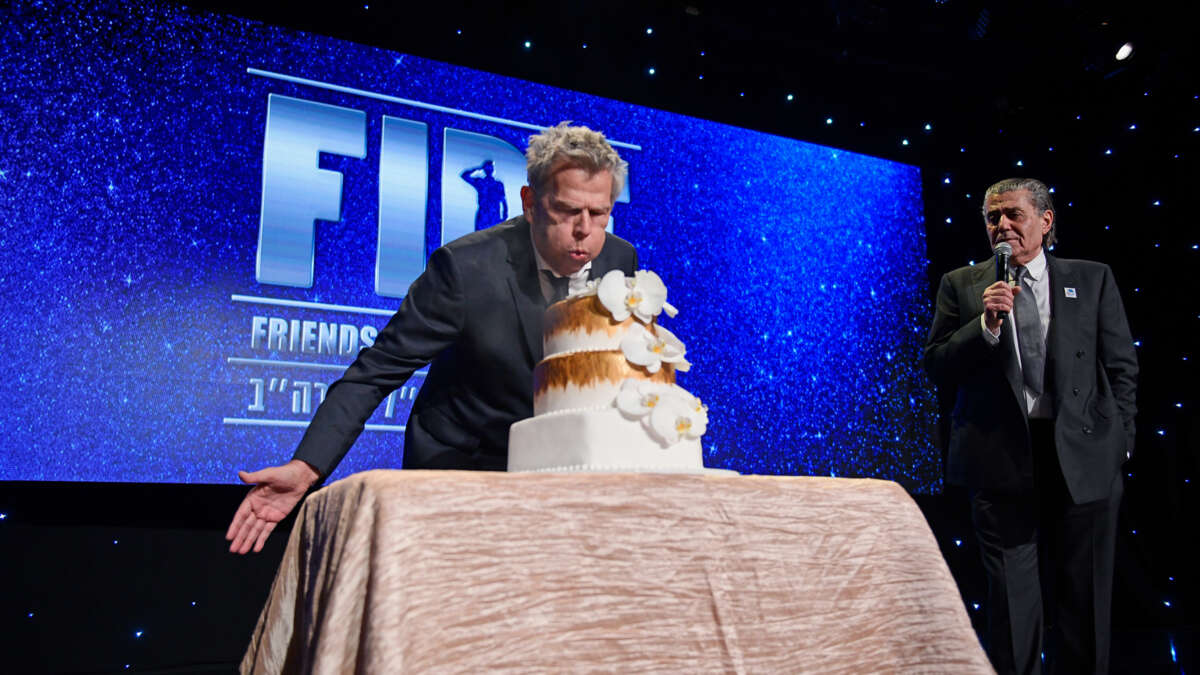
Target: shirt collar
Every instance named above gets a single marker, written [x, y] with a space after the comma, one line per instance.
[1037, 267]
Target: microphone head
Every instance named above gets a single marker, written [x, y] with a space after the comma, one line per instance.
[1004, 248]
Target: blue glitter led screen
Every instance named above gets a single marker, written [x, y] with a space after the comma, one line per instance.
[205, 218]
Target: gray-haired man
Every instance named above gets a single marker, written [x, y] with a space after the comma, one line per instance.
[475, 316]
[1045, 374]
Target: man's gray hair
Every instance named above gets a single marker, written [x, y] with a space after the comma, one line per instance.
[578, 146]
[1038, 193]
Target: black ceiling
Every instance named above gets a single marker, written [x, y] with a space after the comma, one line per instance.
[962, 65]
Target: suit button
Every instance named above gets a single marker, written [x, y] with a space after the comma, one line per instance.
[1079, 354]
[1075, 390]
[1087, 430]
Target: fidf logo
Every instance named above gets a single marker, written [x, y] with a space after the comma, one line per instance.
[481, 182]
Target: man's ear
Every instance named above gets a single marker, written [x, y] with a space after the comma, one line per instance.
[528, 201]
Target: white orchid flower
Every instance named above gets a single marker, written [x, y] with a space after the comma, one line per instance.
[612, 292]
[638, 397]
[674, 418]
[699, 414]
[671, 349]
[645, 348]
[642, 296]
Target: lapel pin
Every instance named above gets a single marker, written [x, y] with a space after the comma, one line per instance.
[1069, 291]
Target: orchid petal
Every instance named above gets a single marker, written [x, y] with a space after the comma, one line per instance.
[630, 400]
[661, 422]
[646, 296]
[612, 292]
[636, 345]
[673, 349]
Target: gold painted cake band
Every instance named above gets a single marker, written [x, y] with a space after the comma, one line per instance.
[584, 314]
[584, 369]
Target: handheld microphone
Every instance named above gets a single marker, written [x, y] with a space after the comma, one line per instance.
[1003, 252]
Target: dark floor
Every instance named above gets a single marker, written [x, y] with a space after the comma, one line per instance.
[1149, 637]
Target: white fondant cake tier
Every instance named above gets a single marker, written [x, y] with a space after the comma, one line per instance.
[595, 440]
[568, 341]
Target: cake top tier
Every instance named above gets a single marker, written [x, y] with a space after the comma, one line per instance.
[616, 313]
[642, 296]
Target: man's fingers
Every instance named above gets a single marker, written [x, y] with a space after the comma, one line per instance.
[251, 477]
[241, 542]
[252, 534]
[262, 537]
[235, 542]
[233, 526]
[244, 537]
[239, 517]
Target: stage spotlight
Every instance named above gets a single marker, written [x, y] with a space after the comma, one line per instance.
[1125, 51]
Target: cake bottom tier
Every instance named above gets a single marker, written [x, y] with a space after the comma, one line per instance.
[596, 440]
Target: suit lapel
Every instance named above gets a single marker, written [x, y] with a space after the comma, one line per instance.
[1064, 312]
[601, 264]
[526, 290]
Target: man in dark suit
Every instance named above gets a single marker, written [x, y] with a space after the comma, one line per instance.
[1044, 374]
[476, 314]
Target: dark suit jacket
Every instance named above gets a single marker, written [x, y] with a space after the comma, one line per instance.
[1091, 373]
[476, 313]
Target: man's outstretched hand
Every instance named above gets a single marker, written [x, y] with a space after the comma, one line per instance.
[276, 492]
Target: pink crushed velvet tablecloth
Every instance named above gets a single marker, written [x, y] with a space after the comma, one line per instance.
[453, 571]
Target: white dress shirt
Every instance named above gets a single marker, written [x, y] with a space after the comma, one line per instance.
[1036, 406]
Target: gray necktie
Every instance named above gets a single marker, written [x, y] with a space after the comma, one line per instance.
[559, 284]
[1029, 333]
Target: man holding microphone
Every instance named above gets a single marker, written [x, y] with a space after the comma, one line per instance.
[1044, 376]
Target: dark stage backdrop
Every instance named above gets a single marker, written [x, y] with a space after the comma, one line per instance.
[205, 218]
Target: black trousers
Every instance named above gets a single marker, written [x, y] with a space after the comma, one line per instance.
[1049, 564]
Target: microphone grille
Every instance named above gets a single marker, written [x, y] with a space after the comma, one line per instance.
[1004, 248]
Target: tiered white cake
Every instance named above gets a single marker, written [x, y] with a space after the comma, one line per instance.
[604, 397]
